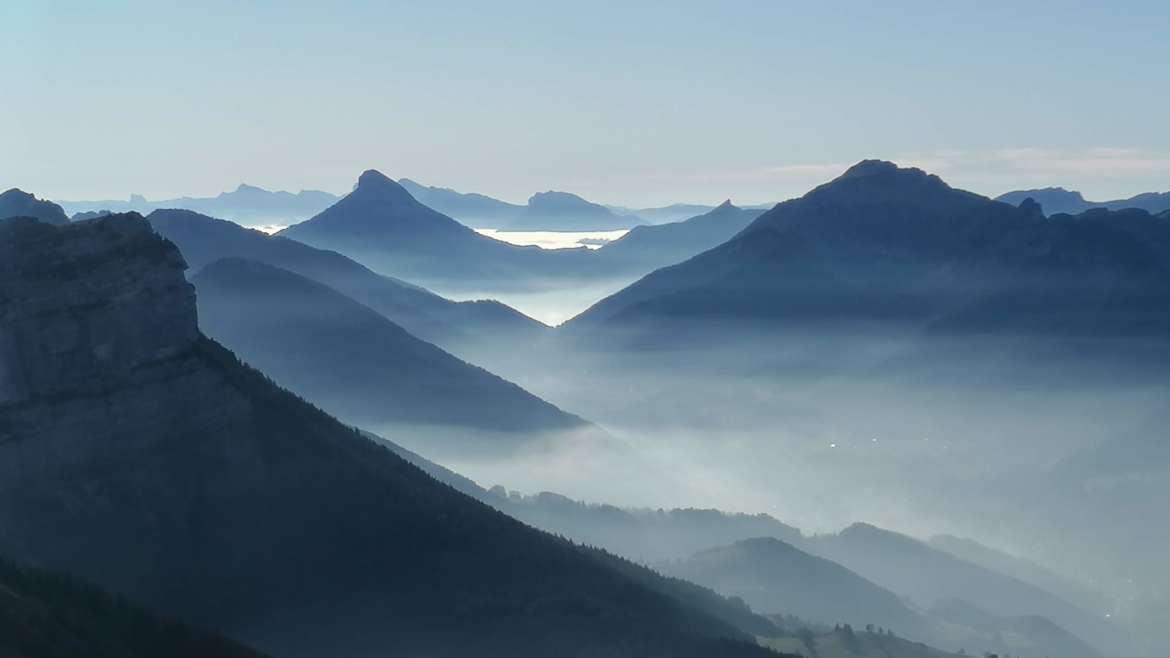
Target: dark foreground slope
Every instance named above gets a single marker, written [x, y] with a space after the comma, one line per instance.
[50, 615]
[137, 453]
[352, 361]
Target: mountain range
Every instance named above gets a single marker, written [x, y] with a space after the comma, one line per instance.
[931, 577]
[897, 249]
[473, 326]
[138, 453]
[382, 226]
[470, 209]
[246, 204]
[354, 362]
[1057, 200]
[773, 576]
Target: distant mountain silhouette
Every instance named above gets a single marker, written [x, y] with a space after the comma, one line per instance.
[928, 576]
[676, 212]
[1057, 200]
[1021, 569]
[463, 327]
[1031, 634]
[645, 535]
[899, 249]
[776, 577]
[469, 209]
[52, 615]
[90, 214]
[246, 204]
[665, 244]
[16, 203]
[562, 211]
[382, 226]
[352, 361]
[142, 455]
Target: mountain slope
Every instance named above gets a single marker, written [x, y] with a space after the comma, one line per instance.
[470, 209]
[383, 227]
[353, 362]
[146, 457]
[49, 615]
[665, 244]
[898, 249]
[1021, 569]
[17, 203]
[562, 211]
[777, 578]
[453, 325]
[929, 576]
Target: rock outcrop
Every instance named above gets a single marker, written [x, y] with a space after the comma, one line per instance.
[66, 335]
[17, 203]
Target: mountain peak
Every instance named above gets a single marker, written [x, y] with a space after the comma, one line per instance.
[553, 197]
[374, 183]
[373, 177]
[871, 181]
[18, 203]
[726, 205]
[870, 168]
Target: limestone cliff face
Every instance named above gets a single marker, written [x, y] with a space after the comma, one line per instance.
[98, 342]
[64, 334]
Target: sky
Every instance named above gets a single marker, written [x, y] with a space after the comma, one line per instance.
[632, 103]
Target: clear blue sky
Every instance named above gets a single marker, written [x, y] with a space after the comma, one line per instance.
[623, 102]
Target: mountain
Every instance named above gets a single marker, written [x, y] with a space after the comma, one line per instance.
[929, 576]
[1057, 200]
[479, 327]
[1032, 635]
[645, 535]
[16, 203]
[246, 204]
[844, 642]
[352, 361]
[899, 250]
[775, 577]
[1021, 569]
[1053, 200]
[382, 226]
[665, 244]
[470, 209]
[52, 615]
[140, 454]
[676, 212]
[561, 211]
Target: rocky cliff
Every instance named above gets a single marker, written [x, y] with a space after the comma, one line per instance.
[64, 334]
